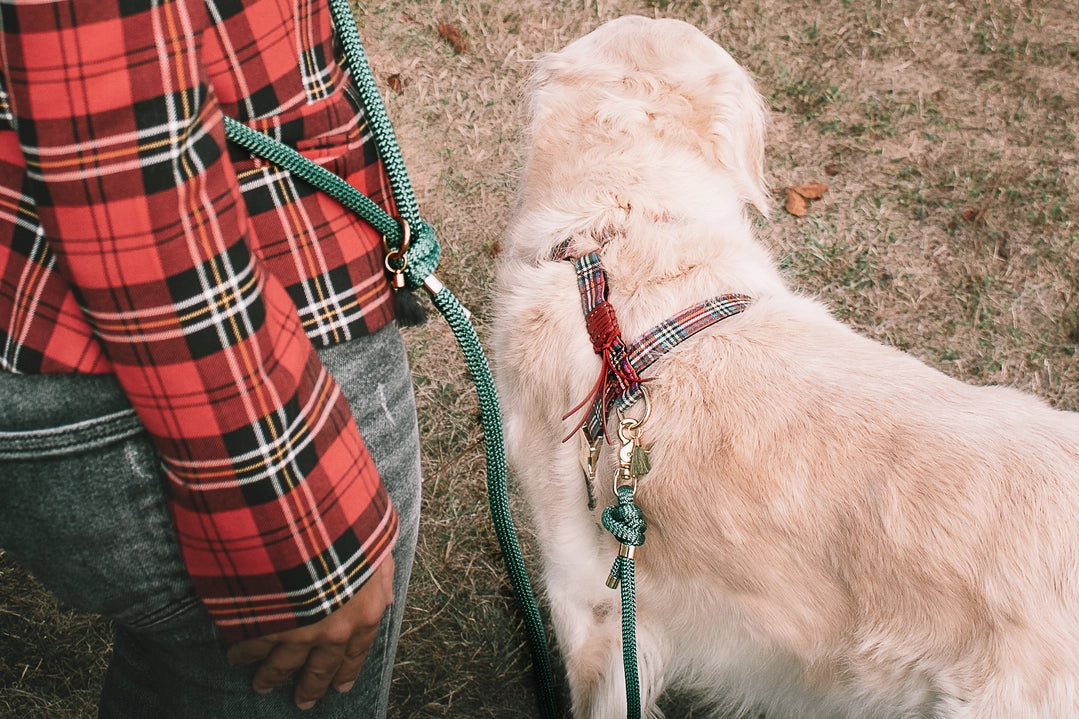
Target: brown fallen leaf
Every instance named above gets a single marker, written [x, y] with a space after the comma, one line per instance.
[796, 203]
[811, 191]
[452, 35]
[396, 82]
[831, 169]
[977, 215]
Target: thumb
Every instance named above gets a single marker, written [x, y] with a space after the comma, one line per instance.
[387, 572]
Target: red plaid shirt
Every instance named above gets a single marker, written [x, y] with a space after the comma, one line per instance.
[133, 240]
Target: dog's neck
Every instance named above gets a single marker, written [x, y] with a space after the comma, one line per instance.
[681, 259]
[647, 285]
[681, 209]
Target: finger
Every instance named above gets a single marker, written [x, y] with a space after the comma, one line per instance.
[352, 663]
[322, 666]
[250, 650]
[279, 665]
[361, 641]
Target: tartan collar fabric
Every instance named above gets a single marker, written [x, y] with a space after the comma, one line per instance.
[620, 380]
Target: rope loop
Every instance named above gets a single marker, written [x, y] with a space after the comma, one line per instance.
[421, 258]
[625, 519]
[626, 522]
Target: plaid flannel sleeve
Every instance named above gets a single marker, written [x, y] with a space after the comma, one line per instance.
[278, 507]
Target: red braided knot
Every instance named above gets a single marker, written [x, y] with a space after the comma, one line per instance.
[602, 327]
[606, 338]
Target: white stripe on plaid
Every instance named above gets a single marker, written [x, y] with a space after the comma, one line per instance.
[662, 338]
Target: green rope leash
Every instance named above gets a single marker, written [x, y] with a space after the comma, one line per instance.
[385, 139]
[420, 260]
[280, 154]
[423, 254]
[497, 495]
[626, 522]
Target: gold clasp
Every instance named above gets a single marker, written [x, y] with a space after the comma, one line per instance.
[393, 257]
[633, 461]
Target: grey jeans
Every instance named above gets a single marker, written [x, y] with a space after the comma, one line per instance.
[82, 507]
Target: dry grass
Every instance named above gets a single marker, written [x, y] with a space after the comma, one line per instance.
[947, 135]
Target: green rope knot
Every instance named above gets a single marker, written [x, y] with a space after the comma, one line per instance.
[421, 258]
[625, 519]
[626, 522]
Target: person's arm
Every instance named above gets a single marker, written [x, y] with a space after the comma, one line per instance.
[278, 507]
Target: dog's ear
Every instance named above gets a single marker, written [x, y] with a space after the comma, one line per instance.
[737, 132]
[729, 114]
[550, 70]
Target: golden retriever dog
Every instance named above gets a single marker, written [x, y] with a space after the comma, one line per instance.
[834, 529]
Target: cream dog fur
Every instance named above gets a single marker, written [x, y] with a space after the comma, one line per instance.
[834, 528]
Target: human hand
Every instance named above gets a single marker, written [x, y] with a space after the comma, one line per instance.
[329, 652]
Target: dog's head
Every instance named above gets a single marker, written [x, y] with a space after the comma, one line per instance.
[637, 81]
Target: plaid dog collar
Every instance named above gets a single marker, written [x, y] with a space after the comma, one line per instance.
[619, 382]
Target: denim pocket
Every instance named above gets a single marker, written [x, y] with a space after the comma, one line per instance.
[75, 438]
[83, 509]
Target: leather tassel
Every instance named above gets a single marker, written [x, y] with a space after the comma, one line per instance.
[407, 309]
[639, 463]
